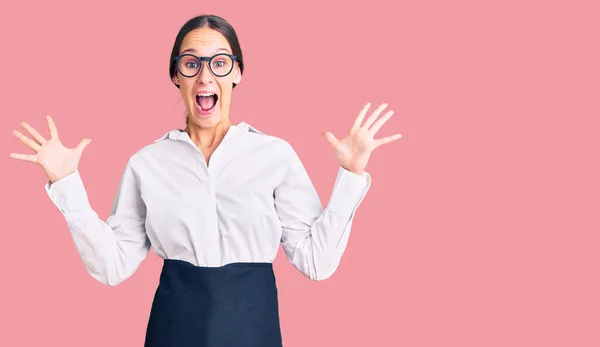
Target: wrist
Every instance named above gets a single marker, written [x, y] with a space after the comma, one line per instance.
[354, 170]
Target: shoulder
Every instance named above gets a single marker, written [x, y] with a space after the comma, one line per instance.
[282, 152]
[273, 143]
[278, 146]
[150, 151]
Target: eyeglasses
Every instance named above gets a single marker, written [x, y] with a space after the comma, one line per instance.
[190, 65]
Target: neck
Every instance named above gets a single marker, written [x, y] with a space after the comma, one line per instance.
[207, 138]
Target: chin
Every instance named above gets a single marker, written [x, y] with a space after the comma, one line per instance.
[206, 120]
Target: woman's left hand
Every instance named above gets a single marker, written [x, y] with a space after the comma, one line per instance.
[353, 151]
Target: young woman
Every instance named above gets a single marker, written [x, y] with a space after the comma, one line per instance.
[214, 200]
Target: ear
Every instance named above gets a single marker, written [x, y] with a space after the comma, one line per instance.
[175, 79]
[237, 78]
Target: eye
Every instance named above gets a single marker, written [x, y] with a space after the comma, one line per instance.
[191, 64]
[219, 63]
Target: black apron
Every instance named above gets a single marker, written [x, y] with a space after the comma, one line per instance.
[234, 305]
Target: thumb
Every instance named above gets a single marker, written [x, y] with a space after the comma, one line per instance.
[82, 144]
[330, 138]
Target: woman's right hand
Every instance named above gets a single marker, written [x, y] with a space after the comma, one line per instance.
[56, 160]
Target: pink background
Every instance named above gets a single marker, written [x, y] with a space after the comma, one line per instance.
[481, 227]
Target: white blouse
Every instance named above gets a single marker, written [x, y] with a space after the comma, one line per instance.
[254, 195]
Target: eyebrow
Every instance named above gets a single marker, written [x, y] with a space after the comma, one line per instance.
[194, 51]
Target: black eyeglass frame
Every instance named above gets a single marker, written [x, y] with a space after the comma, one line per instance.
[207, 59]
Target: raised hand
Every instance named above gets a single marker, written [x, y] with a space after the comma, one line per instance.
[56, 160]
[353, 151]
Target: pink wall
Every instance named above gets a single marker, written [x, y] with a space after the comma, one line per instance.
[481, 226]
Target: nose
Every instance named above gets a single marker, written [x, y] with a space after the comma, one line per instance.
[205, 76]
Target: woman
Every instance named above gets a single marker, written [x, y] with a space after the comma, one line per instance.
[214, 200]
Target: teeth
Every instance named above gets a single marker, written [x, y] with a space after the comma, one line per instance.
[206, 94]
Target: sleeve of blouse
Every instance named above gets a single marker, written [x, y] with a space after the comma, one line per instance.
[314, 238]
[113, 250]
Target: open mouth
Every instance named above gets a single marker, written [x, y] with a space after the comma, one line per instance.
[206, 101]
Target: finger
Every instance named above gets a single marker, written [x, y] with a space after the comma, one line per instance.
[82, 144]
[52, 127]
[26, 140]
[388, 139]
[374, 116]
[380, 122]
[26, 157]
[39, 138]
[330, 138]
[361, 115]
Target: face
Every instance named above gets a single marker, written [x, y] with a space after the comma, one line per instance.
[206, 111]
